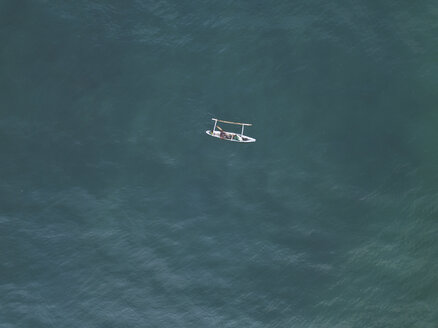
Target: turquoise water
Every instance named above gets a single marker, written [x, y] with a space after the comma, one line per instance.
[117, 210]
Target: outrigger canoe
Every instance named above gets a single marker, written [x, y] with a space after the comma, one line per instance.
[229, 136]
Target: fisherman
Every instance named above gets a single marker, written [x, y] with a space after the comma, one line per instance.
[237, 137]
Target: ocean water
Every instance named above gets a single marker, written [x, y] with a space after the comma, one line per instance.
[117, 210]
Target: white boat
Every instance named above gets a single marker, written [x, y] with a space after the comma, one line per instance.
[229, 136]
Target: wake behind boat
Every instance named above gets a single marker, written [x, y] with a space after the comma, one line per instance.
[230, 136]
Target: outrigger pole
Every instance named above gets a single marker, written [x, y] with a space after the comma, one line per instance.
[242, 124]
[215, 119]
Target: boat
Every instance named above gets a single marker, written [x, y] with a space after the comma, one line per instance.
[218, 132]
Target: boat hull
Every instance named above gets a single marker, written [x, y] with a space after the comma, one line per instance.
[232, 136]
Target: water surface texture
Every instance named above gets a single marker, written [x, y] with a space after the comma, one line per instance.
[117, 210]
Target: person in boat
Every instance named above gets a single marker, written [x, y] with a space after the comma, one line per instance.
[226, 135]
[237, 137]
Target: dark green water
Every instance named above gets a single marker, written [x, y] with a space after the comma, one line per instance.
[117, 210]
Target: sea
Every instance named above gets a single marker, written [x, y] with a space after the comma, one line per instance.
[118, 210]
